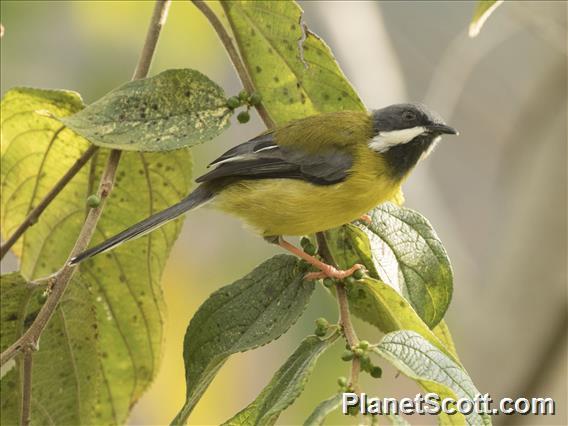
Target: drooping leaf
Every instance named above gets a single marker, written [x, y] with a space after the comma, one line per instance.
[65, 375]
[124, 283]
[174, 109]
[286, 385]
[324, 409]
[442, 332]
[292, 68]
[483, 10]
[408, 254]
[37, 150]
[380, 305]
[249, 313]
[418, 359]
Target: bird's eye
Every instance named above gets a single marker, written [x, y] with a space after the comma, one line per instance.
[408, 115]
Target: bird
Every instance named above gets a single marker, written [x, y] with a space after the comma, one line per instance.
[309, 175]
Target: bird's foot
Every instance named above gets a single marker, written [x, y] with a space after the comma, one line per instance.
[327, 271]
[366, 218]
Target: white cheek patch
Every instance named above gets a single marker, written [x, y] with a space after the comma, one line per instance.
[385, 140]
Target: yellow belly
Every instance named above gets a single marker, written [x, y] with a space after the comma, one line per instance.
[294, 207]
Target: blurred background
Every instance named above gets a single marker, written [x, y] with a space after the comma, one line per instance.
[496, 195]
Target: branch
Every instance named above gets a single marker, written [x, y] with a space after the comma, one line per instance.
[234, 56]
[25, 417]
[344, 314]
[33, 216]
[62, 279]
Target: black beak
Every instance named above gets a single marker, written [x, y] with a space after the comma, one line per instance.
[442, 129]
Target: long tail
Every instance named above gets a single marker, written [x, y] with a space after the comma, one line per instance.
[198, 197]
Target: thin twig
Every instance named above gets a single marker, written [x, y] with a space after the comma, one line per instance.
[25, 417]
[33, 216]
[63, 277]
[344, 314]
[234, 56]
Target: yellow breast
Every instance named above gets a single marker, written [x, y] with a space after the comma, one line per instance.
[294, 207]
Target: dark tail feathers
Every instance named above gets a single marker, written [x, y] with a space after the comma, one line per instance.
[199, 196]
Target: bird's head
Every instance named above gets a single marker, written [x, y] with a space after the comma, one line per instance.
[405, 133]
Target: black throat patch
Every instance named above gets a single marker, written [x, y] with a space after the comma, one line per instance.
[402, 158]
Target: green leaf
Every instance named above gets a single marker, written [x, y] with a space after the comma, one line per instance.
[251, 312]
[174, 109]
[482, 12]
[324, 409]
[292, 68]
[380, 305]
[418, 359]
[124, 283]
[442, 332]
[286, 385]
[408, 254]
[64, 374]
[37, 150]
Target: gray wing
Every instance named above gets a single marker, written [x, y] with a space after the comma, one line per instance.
[262, 158]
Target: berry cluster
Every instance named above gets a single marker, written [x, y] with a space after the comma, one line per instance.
[244, 98]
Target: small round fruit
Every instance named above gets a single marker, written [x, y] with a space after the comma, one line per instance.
[233, 102]
[93, 201]
[347, 356]
[358, 274]
[243, 95]
[243, 117]
[376, 372]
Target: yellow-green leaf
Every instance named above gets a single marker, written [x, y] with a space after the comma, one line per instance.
[37, 150]
[292, 68]
[124, 283]
[483, 10]
[174, 109]
[382, 306]
[65, 375]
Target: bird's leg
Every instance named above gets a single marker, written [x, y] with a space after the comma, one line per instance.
[326, 270]
[366, 218]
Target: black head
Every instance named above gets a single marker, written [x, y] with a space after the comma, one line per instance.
[403, 133]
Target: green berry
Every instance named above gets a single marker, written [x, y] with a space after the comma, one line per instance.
[310, 249]
[243, 117]
[342, 381]
[255, 99]
[93, 201]
[347, 356]
[363, 344]
[233, 102]
[328, 282]
[358, 274]
[376, 372]
[243, 95]
[358, 352]
[320, 332]
[322, 323]
[349, 280]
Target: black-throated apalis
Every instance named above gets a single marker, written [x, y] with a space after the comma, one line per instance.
[309, 175]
